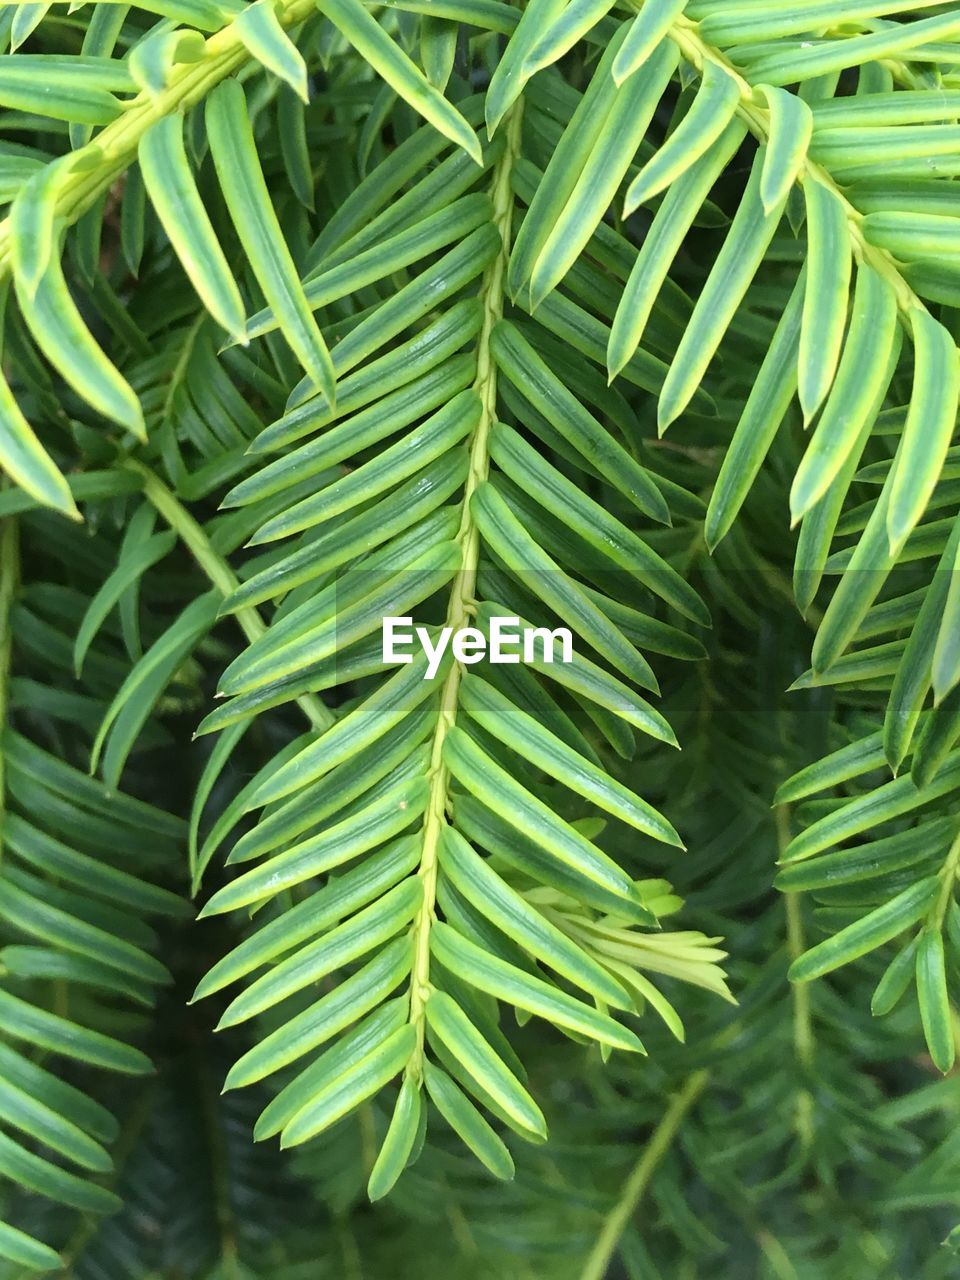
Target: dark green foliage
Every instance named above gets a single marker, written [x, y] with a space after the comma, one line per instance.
[636, 319]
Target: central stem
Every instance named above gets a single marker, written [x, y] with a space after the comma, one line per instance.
[618, 1220]
[218, 571]
[796, 945]
[463, 593]
[804, 1044]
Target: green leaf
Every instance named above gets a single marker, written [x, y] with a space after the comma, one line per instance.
[65, 1099]
[532, 742]
[60, 333]
[26, 462]
[370, 426]
[563, 33]
[852, 761]
[467, 1122]
[33, 222]
[865, 573]
[309, 964]
[23, 1251]
[41, 919]
[320, 1022]
[392, 64]
[544, 390]
[430, 347]
[503, 981]
[263, 36]
[821, 521]
[525, 558]
[60, 1035]
[612, 539]
[438, 49]
[338, 788]
[46, 1179]
[530, 929]
[360, 1081]
[750, 22]
[45, 1125]
[269, 660]
[61, 88]
[705, 122]
[387, 817]
[512, 72]
[26, 18]
[173, 194]
[321, 1077]
[897, 977]
[616, 141]
[129, 570]
[680, 207]
[916, 847]
[946, 654]
[547, 194]
[152, 61]
[375, 716]
[488, 831]
[767, 404]
[647, 993]
[339, 897]
[435, 231]
[790, 129]
[743, 250]
[145, 683]
[929, 427]
[914, 672]
[934, 999]
[212, 771]
[829, 267]
[406, 507]
[867, 933]
[938, 736]
[427, 442]
[46, 963]
[462, 1039]
[245, 190]
[73, 867]
[492, 785]
[588, 680]
[398, 1143]
[891, 800]
[646, 31]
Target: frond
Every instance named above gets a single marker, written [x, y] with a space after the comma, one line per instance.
[82, 894]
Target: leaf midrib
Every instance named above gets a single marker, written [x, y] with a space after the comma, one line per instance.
[462, 605]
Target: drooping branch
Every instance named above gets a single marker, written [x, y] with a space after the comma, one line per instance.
[462, 602]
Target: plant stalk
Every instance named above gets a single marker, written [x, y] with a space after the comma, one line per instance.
[221, 576]
[804, 1042]
[619, 1219]
[462, 599]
